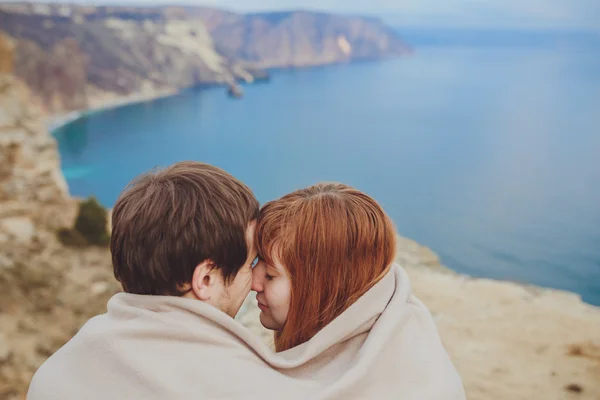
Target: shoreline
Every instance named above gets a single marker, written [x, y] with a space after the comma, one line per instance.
[109, 102]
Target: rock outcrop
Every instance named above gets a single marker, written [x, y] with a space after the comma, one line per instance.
[46, 290]
[299, 38]
[76, 57]
[31, 184]
[6, 55]
[66, 54]
[57, 76]
[69, 55]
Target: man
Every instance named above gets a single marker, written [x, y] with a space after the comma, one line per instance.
[186, 231]
[182, 248]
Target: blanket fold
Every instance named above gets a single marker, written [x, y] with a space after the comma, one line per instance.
[384, 346]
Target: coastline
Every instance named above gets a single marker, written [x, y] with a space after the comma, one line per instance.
[108, 101]
[104, 102]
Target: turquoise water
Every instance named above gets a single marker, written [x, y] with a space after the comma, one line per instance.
[491, 156]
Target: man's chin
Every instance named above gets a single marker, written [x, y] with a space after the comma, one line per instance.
[239, 309]
[234, 308]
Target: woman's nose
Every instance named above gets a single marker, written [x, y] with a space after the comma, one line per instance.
[256, 283]
[257, 278]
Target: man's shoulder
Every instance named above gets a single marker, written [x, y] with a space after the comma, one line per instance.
[58, 369]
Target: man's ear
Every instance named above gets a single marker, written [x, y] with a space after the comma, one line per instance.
[203, 281]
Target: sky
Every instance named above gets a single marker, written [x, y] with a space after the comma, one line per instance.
[493, 14]
[579, 14]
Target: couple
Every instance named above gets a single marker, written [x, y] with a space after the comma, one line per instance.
[189, 243]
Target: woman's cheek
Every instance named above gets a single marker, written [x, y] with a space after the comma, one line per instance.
[282, 301]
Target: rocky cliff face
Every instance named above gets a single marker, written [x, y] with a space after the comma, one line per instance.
[31, 185]
[46, 290]
[6, 55]
[67, 54]
[58, 76]
[299, 38]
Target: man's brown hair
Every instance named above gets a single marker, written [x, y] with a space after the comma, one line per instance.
[166, 222]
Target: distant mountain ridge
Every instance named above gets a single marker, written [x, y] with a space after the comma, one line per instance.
[73, 55]
[300, 38]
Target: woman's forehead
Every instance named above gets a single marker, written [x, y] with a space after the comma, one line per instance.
[275, 266]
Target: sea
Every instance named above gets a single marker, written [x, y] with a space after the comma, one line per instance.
[487, 151]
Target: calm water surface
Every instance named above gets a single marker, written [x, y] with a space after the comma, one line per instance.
[489, 156]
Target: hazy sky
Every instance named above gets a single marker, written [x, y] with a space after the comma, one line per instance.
[582, 14]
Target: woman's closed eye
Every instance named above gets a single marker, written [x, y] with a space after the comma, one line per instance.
[269, 277]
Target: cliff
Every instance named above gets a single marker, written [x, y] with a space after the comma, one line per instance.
[68, 54]
[46, 290]
[6, 55]
[299, 38]
[74, 57]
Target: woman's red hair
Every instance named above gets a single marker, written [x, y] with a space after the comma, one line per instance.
[335, 243]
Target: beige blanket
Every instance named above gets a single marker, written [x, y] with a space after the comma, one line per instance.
[385, 346]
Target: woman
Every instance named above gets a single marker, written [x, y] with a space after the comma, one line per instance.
[342, 312]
